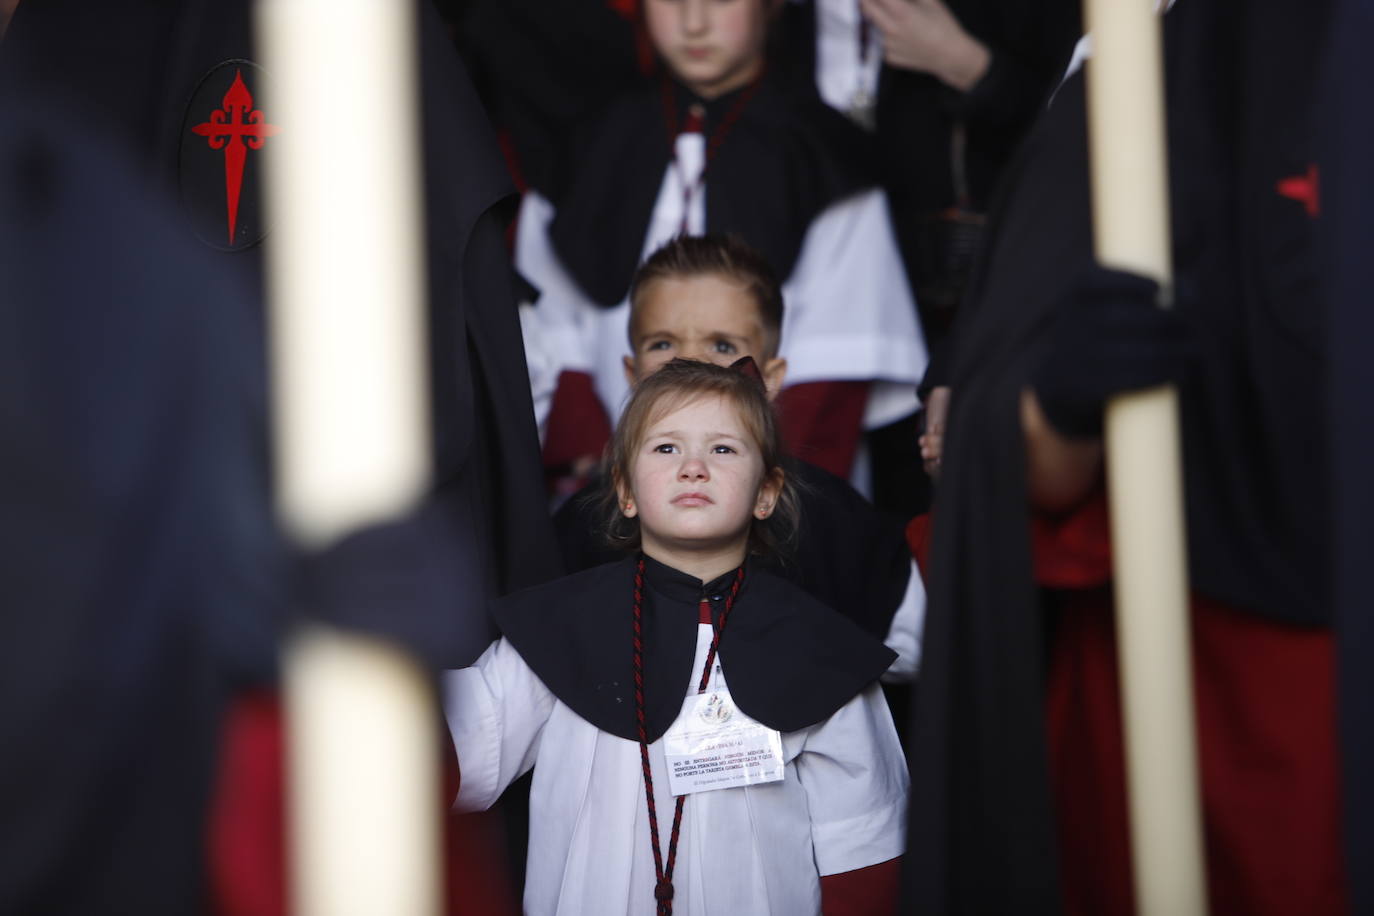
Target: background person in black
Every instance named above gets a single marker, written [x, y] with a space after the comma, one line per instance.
[953, 88]
[1019, 673]
[980, 67]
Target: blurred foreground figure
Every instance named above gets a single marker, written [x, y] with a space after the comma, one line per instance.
[1017, 765]
[139, 565]
[176, 84]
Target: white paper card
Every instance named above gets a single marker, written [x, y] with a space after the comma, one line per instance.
[714, 744]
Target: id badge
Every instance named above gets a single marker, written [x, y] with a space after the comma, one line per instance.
[714, 744]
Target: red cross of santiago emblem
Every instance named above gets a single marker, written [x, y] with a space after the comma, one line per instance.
[235, 127]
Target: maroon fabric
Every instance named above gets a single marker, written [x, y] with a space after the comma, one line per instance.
[822, 423]
[578, 426]
[870, 891]
[247, 848]
[918, 540]
[1265, 706]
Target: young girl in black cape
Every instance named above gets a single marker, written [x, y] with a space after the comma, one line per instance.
[611, 684]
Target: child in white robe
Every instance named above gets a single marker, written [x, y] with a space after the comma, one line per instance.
[795, 790]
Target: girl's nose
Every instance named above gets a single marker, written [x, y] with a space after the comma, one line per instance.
[693, 469]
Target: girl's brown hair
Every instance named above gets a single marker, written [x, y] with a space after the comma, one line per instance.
[675, 384]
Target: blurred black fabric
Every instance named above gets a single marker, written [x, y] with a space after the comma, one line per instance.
[140, 573]
[136, 69]
[542, 68]
[1347, 233]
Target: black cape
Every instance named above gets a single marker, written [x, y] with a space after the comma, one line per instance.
[787, 158]
[791, 661]
[148, 74]
[848, 555]
[981, 829]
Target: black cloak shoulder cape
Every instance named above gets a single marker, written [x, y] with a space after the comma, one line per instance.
[982, 835]
[790, 661]
[786, 158]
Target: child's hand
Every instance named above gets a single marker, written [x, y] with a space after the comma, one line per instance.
[932, 441]
[924, 35]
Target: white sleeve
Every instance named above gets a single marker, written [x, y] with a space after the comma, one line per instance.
[850, 313]
[853, 771]
[562, 311]
[904, 636]
[496, 712]
[543, 366]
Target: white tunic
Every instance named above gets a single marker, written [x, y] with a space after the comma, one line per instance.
[752, 850]
[849, 313]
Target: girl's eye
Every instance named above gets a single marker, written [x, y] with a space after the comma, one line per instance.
[724, 346]
[664, 448]
[722, 450]
[658, 345]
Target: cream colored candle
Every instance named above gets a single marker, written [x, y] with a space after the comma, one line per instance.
[1144, 476]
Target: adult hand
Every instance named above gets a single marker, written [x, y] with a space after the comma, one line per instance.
[1109, 337]
[924, 35]
[932, 441]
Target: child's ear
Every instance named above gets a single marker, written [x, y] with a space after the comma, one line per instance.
[630, 374]
[774, 372]
[624, 498]
[770, 490]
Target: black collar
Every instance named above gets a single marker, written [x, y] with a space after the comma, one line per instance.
[791, 662]
[683, 587]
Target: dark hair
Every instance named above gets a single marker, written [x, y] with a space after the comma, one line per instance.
[727, 256]
[679, 382]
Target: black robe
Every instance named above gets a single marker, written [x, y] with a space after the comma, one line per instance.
[848, 554]
[982, 835]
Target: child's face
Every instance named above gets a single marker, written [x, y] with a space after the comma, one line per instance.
[706, 317]
[712, 46]
[697, 482]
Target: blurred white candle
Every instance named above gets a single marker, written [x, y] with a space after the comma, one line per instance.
[351, 415]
